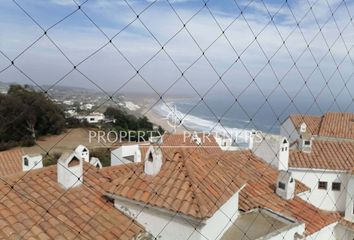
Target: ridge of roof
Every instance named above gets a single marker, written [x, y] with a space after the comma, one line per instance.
[179, 186]
[330, 124]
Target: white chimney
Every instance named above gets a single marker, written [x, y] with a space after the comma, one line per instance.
[83, 153]
[251, 137]
[303, 128]
[153, 161]
[196, 139]
[305, 141]
[349, 211]
[70, 170]
[283, 155]
[137, 155]
[285, 185]
[96, 162]
[156, 140]
[30, 162]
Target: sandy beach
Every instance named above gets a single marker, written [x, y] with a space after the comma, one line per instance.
[146, 109]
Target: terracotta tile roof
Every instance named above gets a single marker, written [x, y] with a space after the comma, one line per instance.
[260, 192]
[186, 183]
[11, 162]
[313, 122]
[331, 124]
[23, 209]
[334, 155]
[339, 125]
[171, 142]
[182, 140]
[193, 184]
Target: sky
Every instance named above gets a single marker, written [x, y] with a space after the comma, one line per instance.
[250, 53]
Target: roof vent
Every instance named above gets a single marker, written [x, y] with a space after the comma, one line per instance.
[303, 127]
[70, 170]
[305, 143]
[156, 140]
[153, 161]
[196, 139]
[283, 155]
[285, 185]
[83, 153]
[30, 162]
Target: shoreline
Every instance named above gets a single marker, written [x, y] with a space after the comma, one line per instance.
[160, 121]
[147, 110]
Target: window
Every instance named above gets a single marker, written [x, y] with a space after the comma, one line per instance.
[322, 185]
[281, 185]
[307, 143]
[25, 161]
[336, 186]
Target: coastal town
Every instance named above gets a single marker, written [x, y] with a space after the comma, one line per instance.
[295, 185]
[176, 120]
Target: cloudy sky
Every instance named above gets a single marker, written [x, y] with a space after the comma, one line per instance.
[250, 45]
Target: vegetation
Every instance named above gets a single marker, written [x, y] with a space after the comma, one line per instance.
[103, 154]
[27, 115]
[51, 159]
[128, 122]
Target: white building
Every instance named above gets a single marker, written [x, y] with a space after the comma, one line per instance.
[92, 117]
[176, 194]
[87, 106]
[322, 157]
[181, 188]
[68, 102]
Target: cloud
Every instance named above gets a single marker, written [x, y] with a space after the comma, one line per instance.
[78, 38]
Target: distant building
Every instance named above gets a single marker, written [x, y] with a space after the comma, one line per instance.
[68, 102]
[70, 113]
[92, 117]
[87, 106]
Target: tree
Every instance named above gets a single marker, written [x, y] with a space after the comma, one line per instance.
[28, 114]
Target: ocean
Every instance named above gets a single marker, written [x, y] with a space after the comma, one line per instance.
[217, 113]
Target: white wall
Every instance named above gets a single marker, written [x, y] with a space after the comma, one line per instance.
[161, 225]
[343, 233]
[349, 211]
[286, 233]
[324, 199]
[166, 225]
[326, 233]
[70, 177]
[217, 225]
[287, 129]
